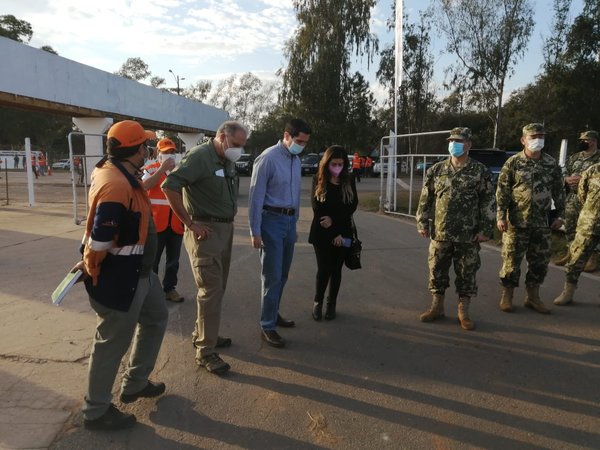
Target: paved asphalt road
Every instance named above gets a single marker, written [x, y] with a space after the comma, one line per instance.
[375, 378]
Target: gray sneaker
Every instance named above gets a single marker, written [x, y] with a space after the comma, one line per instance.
[213, 364]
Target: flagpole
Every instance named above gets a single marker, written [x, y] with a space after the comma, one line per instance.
[398, 58]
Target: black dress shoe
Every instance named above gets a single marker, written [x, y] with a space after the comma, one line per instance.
[272, 338]
[330, 311]
[285, 323]
[151, 390]
[317, 312]
[223, 342]
[112, 419]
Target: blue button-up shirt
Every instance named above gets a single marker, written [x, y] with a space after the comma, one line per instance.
[276, 177]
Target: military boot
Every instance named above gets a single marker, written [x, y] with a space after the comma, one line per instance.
[436, 311]
[463, 313]
[566, 296]
[592, 264]
[506, 301]
[533, 301]
[562, 260]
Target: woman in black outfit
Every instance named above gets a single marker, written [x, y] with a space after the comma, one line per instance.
[334, 200]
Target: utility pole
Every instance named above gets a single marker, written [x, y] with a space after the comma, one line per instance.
[177, 80]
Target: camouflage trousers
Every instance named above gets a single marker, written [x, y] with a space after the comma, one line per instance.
[534, 244]
[580, 251]
[465, 257]
[572, 209]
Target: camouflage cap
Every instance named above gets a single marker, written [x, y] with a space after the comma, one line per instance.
[460, 133]
[590, 134]
[533, 128]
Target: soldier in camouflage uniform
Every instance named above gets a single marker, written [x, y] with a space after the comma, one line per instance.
[456, 210]
[527, 184]
[588, 232]
[576, 165]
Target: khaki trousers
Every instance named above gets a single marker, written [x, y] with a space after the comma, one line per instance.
[210, 260]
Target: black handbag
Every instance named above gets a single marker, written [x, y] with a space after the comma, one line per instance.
[352, 258]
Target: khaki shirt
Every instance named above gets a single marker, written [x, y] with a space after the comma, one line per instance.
[209, 185]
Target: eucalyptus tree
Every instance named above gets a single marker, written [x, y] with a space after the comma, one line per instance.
[488, 38]
[416, 97]
[316, 81]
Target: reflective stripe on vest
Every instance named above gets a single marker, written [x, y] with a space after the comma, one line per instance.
[128, 250]
[159, 201]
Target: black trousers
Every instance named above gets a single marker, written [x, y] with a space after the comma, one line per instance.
[330, 260]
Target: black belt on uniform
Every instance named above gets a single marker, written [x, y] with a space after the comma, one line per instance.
[284, 211]
[213, 219]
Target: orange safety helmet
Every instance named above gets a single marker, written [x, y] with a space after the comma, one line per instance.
[166, 144]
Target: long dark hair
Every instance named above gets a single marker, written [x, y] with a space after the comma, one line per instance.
[323, 175]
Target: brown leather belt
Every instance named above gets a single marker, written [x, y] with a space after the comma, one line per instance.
[284, 211]
[213, 219]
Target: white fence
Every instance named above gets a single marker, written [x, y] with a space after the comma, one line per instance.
[402, 175]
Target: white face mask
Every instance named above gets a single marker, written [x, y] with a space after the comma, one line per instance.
[233, 153]
[535, 145]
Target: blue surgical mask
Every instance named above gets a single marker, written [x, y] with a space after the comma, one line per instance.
[295, 149]
[456, 149]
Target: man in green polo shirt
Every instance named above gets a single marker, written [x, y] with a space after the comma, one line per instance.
[203, 191]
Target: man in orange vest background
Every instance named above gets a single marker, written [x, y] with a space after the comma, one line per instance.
[169, 228]
[356, 166]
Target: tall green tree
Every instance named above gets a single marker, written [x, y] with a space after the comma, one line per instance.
[416, 97]
[197, 91]
[488, 37]
[565, 96]
[246, 98]
[316, 80]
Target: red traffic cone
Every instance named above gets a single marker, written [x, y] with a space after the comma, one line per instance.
[49, 171]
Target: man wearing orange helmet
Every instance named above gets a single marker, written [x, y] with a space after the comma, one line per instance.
[118, 252]
[169, 228]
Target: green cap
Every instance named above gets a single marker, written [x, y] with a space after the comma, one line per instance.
[533, 128]
[590, 134]
[460, 133]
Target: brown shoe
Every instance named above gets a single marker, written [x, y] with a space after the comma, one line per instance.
[463, 313]
[173, 296]
[506, 300]
[533, 300]
[592, 264]
[435, 311]
[213, 364]
[562, 260]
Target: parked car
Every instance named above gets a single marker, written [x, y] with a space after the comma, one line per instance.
[493, 158]
[244, 164]
[422, 166]
[310, 164]
[62, 164]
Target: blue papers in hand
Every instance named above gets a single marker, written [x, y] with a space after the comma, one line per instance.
[65, 286]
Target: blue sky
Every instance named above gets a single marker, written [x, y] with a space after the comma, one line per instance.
[212, 39]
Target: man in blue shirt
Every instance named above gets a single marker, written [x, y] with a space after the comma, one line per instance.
[273, 210]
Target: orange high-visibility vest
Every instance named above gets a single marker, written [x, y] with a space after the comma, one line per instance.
[356, 161]
[162, 213]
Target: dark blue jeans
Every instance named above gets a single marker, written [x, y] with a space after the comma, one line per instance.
[170, 242]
